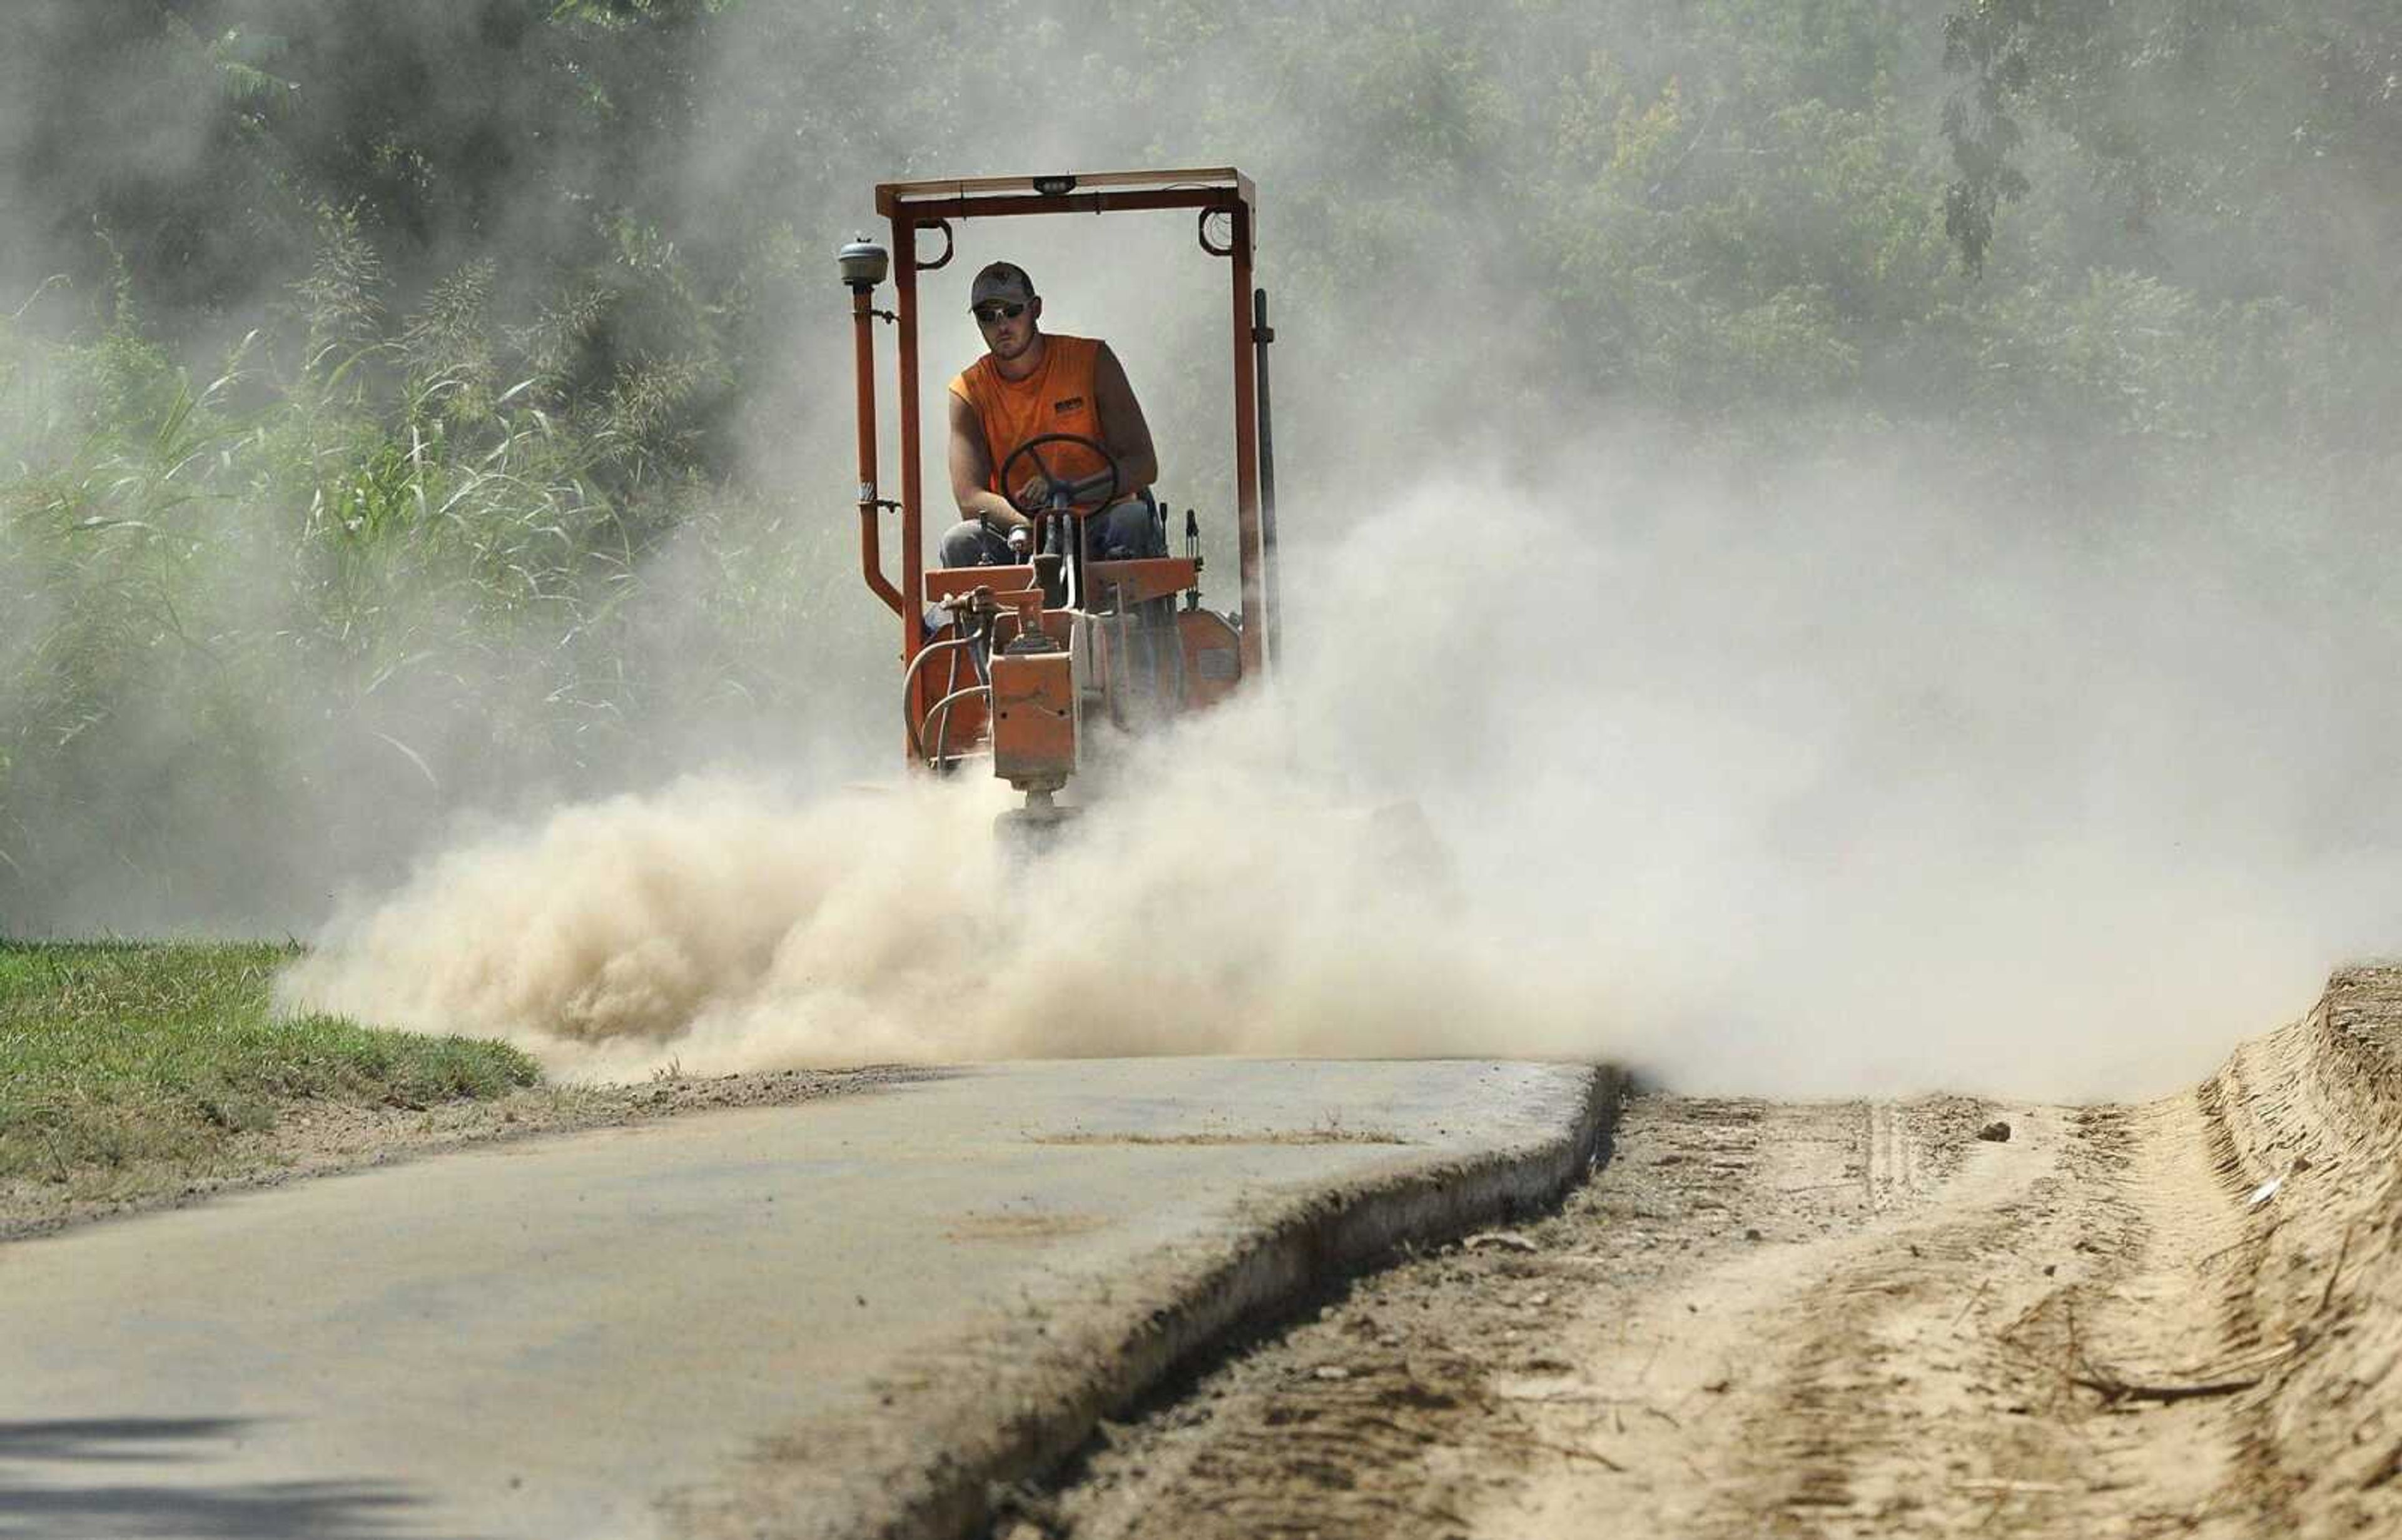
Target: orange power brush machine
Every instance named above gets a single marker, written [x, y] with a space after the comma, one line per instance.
[1026, 666]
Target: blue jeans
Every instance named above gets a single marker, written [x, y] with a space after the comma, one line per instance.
[1119, 531]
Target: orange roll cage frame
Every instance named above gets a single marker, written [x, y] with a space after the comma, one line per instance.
[916, 206]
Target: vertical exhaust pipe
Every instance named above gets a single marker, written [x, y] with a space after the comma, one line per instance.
[1261, 334]
[863, 266]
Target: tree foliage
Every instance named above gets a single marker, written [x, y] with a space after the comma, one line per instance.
[2275, 127]
[476, 363]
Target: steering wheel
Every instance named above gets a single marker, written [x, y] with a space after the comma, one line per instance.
[1065, 495]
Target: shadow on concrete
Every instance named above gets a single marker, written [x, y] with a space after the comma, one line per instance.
[33, 1501]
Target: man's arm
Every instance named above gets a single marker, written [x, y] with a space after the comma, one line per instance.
[1123, 428]
[972, 471]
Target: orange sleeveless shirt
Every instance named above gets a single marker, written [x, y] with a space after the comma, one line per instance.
[1056, 398]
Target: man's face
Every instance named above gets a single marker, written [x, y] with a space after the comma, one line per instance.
[1008, 324]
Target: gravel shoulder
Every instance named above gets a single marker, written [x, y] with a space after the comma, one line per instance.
[1853, 1319]
[318, 1139]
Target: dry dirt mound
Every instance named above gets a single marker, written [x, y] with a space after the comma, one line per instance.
[1861, 1319]
[2314, 1291]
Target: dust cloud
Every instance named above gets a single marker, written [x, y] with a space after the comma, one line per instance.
[1213, 906]
[1849, 789]
[1875, 763]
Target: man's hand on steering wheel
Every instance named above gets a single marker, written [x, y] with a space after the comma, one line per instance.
[1034, 495]
[1091, 493]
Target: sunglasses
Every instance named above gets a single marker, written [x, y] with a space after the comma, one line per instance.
[990, 313]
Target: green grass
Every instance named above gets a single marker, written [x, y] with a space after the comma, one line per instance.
[118, 1058]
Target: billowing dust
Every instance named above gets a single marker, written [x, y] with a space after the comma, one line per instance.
[1850, 785]
[719, 926]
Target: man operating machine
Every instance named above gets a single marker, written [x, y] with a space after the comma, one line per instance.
[1030, 383]
[1053, 622]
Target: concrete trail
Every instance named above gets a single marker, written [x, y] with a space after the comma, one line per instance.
[846, 1318]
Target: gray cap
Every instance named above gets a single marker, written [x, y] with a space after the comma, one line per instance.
[1004, 280]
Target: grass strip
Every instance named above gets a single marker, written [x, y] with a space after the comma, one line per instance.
[119, 1059]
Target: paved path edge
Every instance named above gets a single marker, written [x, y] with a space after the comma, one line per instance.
[1285, 1252]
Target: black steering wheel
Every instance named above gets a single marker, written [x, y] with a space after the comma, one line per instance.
[1068, 495]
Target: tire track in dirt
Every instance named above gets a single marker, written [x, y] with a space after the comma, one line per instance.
[1892, 1156]
[1388, 1412]
[1852, 1319]
[1401, 1408]
[1874, 1408]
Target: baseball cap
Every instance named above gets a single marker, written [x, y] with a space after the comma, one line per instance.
[1004, 280]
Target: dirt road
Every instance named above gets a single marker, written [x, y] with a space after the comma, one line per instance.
[1857, 1319]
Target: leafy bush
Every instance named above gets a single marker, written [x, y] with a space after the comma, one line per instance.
[467, 412]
